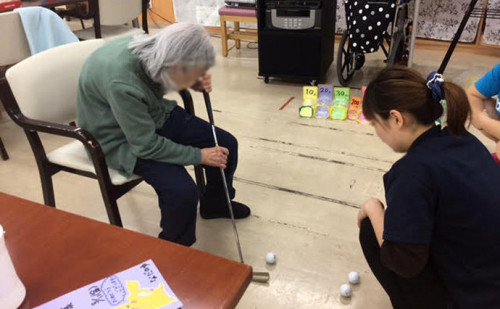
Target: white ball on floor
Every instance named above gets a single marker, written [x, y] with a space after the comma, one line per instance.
[270, 258]
[345, 290]
[354, 277]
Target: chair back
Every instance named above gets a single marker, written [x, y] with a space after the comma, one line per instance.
[45, 85]
[14, 43]
[118, 12]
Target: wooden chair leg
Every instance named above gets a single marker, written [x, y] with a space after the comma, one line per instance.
[135, 23]
[47, 186]
[237, 28]
[223, 35]
[97, 26]
[109, 196]
[3, 151]
[112, 210]
[200, 178]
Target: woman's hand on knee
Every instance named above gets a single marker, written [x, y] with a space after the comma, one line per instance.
[215, 156]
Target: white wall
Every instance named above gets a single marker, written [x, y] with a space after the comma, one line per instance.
[205, 12]
[438, 18]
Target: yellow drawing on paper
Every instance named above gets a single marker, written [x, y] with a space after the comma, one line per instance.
[146, 298]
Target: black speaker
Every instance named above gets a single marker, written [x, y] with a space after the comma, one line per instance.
[296, 38]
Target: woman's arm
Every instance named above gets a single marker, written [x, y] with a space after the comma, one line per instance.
[480, 118]
[373, 209]
[478, 95]
[139, 128]
[476, 101]
[406, 260]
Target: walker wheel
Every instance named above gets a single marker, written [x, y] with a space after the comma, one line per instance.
[360, 61]
[345, 60]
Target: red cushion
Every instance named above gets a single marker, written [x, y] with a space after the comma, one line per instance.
[237, 12]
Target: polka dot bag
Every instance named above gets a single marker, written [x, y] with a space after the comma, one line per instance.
[367, 23]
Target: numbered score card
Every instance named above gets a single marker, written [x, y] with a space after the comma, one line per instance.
[310, 94]
[342, 97]
[325, 95]
[141, 286]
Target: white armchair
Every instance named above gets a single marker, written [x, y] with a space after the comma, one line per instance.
[14, 49]
[110, 17]
[40, 95]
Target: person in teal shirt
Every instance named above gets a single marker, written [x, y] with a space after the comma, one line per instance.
[121, 102]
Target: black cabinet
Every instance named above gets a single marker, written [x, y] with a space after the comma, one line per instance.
[296, 38]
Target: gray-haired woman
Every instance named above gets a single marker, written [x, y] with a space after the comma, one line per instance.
[120, 101]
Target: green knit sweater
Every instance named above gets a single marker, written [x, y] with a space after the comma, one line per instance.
[122, 108]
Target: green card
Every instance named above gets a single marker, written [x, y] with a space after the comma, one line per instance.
[342, 96]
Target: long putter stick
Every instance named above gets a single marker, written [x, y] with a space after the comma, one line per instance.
[457, 37]
[256, 276]
[224, 181]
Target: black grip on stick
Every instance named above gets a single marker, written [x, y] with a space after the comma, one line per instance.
[208, 104]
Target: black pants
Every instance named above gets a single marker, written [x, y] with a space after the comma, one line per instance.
[426, 291]
[177, 192]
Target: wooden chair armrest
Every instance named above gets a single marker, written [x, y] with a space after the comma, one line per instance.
[58, 129]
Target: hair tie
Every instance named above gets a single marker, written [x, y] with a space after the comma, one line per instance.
[435, 84]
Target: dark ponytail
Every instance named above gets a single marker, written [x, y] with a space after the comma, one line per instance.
[458, 108]
[405, 90]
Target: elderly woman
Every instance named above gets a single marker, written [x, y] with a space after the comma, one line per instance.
[120, 101]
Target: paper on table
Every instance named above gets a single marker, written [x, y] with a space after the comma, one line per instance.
[141, 286]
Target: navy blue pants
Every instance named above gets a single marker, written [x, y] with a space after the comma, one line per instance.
[424, 291]
[177, 192]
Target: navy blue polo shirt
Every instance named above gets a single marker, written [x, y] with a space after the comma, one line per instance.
[445, 193]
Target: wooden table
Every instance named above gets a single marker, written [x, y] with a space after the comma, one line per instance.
[50, 3]
[55, 252]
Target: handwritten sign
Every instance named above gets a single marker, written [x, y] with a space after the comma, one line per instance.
[361, 117]
[354, 107]
[325, 94]
[310, 93]
[141, 286]
[342, 97]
